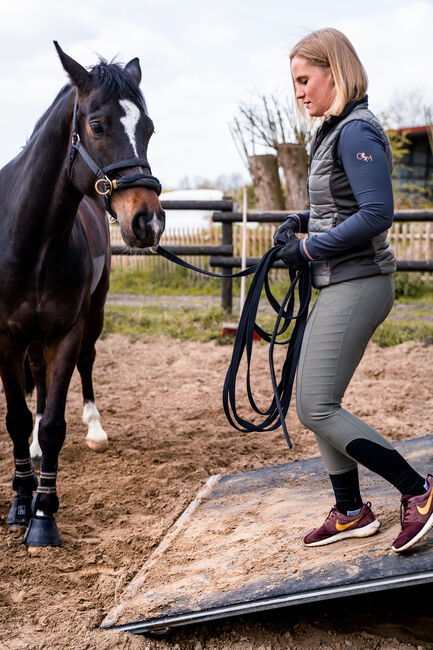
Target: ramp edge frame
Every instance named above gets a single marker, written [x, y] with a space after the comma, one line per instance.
[159, 625]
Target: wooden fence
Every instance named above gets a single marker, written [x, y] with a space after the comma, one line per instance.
[220, 244]
[410, 241]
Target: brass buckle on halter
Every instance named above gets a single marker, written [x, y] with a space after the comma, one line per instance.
[152, 251]
[108, 186]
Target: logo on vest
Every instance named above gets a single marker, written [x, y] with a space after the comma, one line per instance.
[364, 157]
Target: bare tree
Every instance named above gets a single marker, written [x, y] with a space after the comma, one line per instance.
[266, 180]
[404, 110]
[262, 168]
[273, 125]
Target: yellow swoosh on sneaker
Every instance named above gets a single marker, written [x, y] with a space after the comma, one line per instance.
[339, 526]
[426, 508]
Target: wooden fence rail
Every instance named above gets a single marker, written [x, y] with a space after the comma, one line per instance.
[410, 241]
[219, 245]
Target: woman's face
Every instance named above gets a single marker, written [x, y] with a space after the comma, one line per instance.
[314, 86]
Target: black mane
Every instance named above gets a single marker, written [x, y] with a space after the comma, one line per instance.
[111, 79]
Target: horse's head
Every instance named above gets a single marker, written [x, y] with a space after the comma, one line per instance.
[110, 132]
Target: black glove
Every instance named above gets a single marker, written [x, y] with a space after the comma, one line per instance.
[282, 234]
[291, 254]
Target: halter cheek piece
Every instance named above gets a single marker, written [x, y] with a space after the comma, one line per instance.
[105, 185]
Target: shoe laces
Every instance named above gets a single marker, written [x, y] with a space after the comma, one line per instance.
[331, 512]
[405, 508]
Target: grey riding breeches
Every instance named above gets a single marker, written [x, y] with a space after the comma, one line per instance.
[341, 323]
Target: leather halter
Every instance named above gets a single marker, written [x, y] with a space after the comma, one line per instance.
[106, 185]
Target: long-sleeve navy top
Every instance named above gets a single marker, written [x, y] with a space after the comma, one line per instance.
[361, 152]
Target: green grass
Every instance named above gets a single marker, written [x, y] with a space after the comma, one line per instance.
[424, 300]
[153, 281]
[191, 324]
[206, 325]
[410, 287]
[413, 310]
[196, 325]
[394, 332]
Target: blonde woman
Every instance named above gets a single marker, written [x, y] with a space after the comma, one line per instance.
[351, 209]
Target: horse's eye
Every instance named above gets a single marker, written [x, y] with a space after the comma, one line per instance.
[97, 128]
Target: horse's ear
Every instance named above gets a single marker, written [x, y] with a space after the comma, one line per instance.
[77, 74]
[133, 69]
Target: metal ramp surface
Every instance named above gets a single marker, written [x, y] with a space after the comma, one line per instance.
[238, 548]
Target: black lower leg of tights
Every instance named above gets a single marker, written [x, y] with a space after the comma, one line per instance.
[388, 463]
[346, 490]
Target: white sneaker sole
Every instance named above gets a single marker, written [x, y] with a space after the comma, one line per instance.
[365, 531]
[414, 540]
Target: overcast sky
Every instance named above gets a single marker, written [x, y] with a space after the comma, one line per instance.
[200, 59]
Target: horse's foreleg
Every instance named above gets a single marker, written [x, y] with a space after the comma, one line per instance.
[38, 369]
[96, 437]
[19, 426]
[60, 363]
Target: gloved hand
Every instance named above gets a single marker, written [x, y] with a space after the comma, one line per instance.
[289, 225]
[291, 254]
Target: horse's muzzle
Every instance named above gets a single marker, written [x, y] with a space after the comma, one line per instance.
[146, 229]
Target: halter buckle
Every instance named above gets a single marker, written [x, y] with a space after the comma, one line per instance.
[107, 185]
[75, 139]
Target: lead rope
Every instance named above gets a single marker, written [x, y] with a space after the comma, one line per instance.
[277, 411]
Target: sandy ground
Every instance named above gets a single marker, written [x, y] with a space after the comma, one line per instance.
[160, 402]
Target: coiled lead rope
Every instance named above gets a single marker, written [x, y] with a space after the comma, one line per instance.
[276, 413]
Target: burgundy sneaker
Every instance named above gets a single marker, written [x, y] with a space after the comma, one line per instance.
[416, 517]
[338, 526]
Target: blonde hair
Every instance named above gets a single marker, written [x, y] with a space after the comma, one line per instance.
[331, 49]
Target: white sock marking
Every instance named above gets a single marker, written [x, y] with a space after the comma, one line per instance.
[130, 121]
[92, 418]
[35, 449]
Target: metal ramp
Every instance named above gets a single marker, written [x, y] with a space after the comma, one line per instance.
[237, 549]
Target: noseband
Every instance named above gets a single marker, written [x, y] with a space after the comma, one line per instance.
[106, 185]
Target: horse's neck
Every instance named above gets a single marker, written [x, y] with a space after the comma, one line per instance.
[40, 201]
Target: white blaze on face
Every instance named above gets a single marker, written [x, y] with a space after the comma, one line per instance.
[130, 121]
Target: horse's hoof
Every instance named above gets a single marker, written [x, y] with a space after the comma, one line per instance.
[42, 531]
[97, 445]
[20, 512]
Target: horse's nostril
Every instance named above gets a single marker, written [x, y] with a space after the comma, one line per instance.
[147, 227]
[139, 223]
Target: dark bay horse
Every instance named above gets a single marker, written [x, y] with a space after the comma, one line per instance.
[91, 218]
[54, 262]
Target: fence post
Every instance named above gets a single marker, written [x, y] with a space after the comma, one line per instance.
[227, 283]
